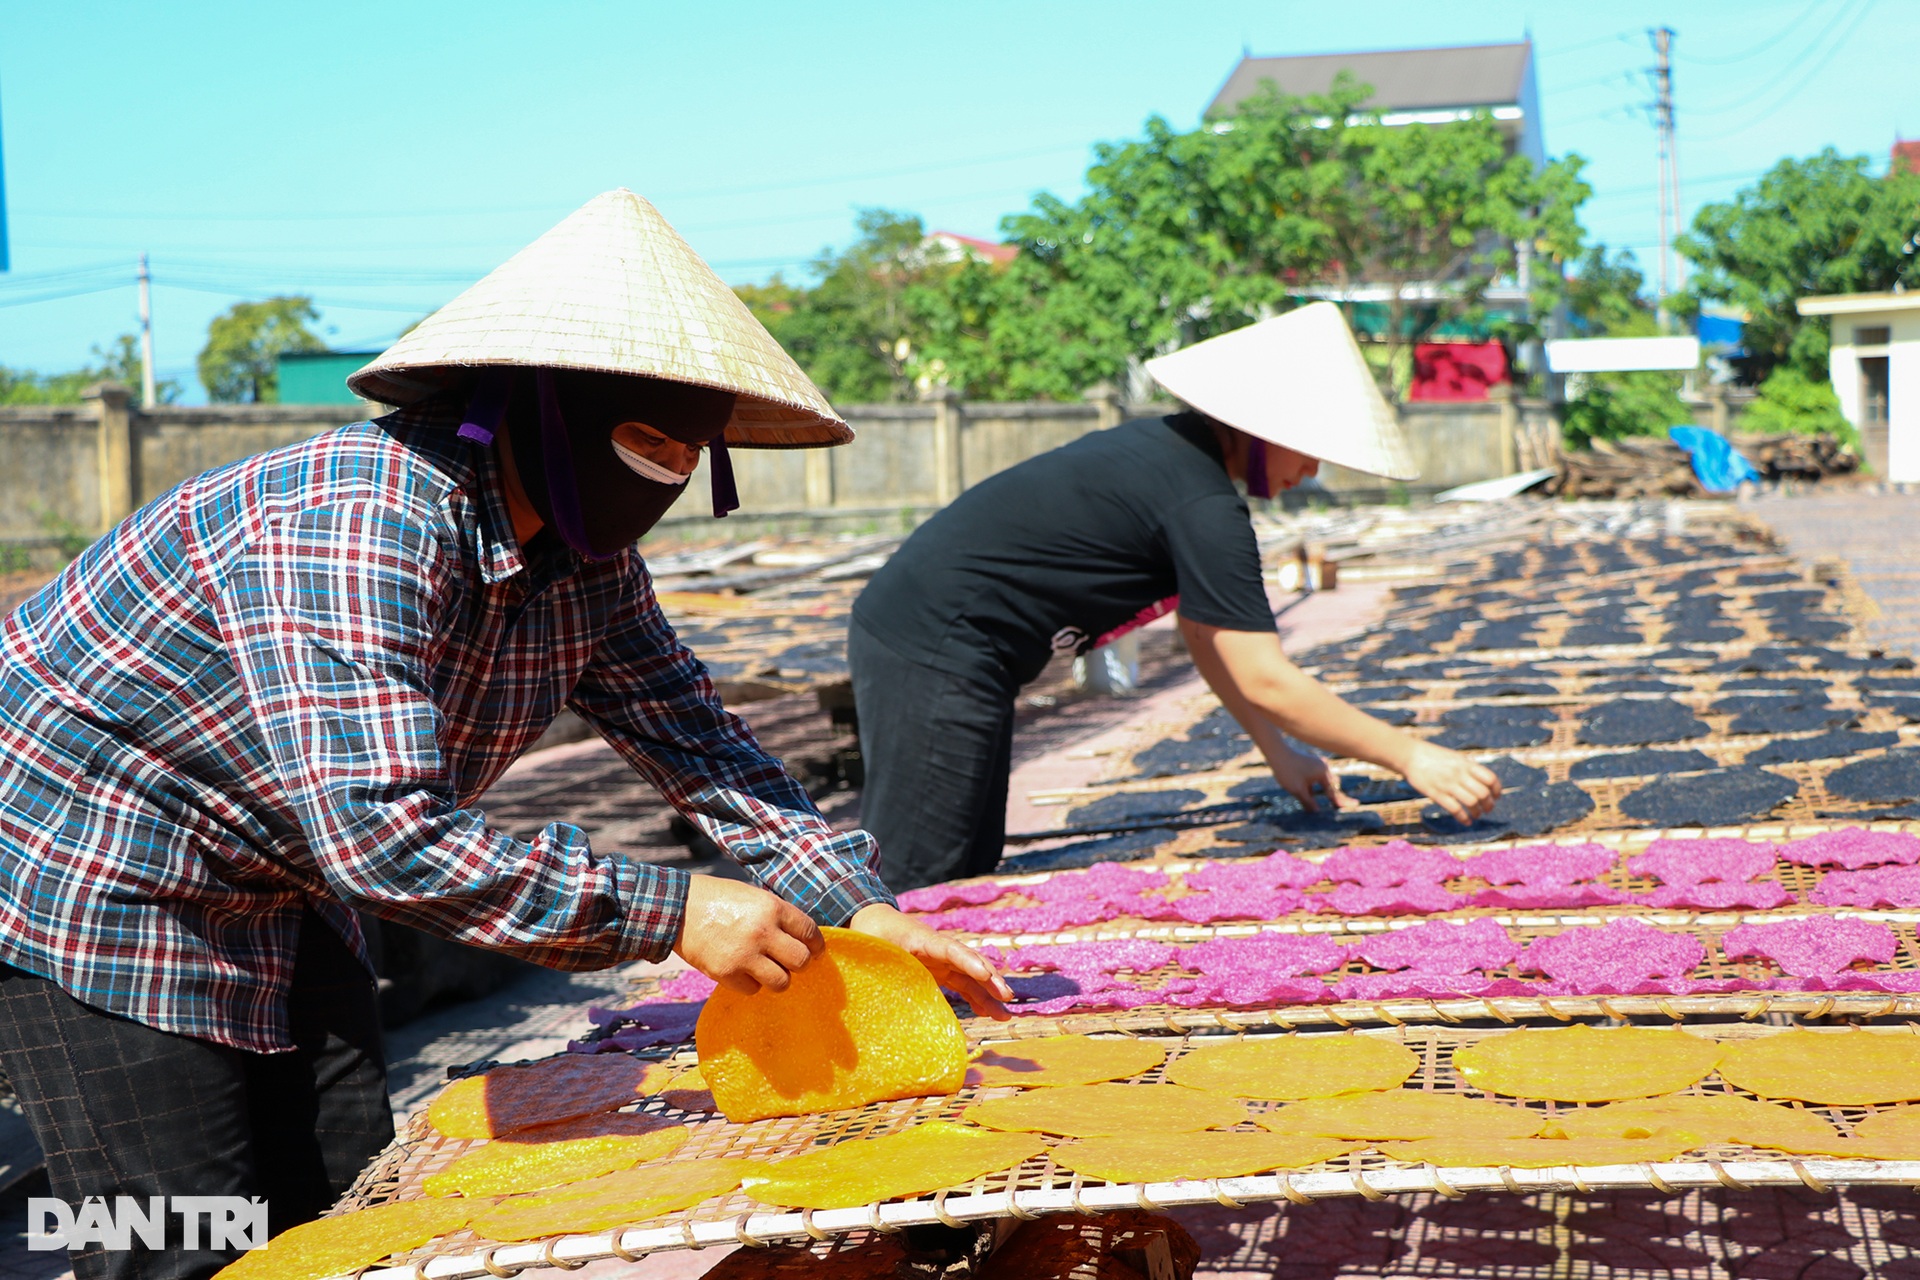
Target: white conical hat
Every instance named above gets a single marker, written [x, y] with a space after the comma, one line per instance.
[1297, 380]
[613, 289]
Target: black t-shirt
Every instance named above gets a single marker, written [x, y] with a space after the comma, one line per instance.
[1070, 549]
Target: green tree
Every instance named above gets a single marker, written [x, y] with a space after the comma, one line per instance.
[853, 330]
[1185, 234]
[1606, 297]
[1824, 224]
[244, 343]
[1791, 401]
[1611, 405]
[119, 361]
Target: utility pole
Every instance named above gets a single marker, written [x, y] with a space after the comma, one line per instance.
[146, 335]
[1669, 163]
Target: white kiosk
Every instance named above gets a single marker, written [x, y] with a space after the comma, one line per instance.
[1875, 367]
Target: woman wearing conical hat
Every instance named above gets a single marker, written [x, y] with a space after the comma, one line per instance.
[1077, 547]
[274, 694]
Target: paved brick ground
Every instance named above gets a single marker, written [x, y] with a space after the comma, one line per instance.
[1876, 535]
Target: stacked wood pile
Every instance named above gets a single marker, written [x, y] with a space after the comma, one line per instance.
[1630, 467]
[1791, 455]
[1653, 466]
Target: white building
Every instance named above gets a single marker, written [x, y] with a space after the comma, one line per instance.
[1875, 367]
[1412, 86]
[1416, 86]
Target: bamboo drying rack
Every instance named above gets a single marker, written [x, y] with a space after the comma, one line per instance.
[1040, 1187]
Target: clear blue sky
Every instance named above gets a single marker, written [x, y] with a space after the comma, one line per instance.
[381, 156]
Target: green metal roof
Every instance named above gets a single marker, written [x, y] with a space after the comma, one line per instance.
[319, 377]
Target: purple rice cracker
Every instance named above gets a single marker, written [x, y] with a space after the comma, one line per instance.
[1615, 958]
[1812, 946]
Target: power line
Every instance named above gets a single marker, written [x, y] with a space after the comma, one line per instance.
[1763, 46]
[466, 211]
[1765, 113]
[1619, 109]
[819, 216]
[1587, 44]
[34, 278]
[332, 304]
[1611, 76]
[63, 293]
[1615, 193]
[1852, 9]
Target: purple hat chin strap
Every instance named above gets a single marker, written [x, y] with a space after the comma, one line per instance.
[1257, 485]
[726, 497]
[556, 453]
[487, 406]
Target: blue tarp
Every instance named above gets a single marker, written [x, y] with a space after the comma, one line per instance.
[1720, 331]
[1719, 468]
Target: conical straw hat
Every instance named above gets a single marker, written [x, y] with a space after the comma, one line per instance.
[1297, 380]
[613, 289]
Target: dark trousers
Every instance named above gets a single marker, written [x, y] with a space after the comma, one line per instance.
[937, 749]
[124, 1110]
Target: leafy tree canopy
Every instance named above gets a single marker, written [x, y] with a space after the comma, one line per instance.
[1606, 298]
[245, 341]
[1791, 401]
[1819, 225]
[1183, 235]
[118, 362]
[855, 331]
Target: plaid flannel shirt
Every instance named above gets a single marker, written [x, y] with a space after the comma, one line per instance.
[287, 681]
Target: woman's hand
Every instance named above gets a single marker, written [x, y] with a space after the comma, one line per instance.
[1299, 772]
[954, 965]
[1464, 789]
[743, 937]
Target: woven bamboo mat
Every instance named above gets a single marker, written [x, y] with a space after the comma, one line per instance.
[1039, 1186]
[1557, 756]
[1576, 694]
[1865, 1233]
[1707, 926]
[1471, 583]
[1797, 880]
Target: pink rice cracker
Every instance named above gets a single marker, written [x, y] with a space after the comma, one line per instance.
[1050, 918]
[1853, 848]
[1715, 875]
[1522, 897]
[1114, 997]
[938, 897]
[1210, 908]
[1761, 895]
[1259, 989]
[1814, 945]
[1089, 959]
[691, 985]
[1411, 985]
[1616, 958]
[1440, 947]
[1540, 865]
[1100, 881]
[1275, 871]
[1395, 900]
[1394, 863]
[1905, 981]
[1703, 861]
[1880, 887]
[1287, 955]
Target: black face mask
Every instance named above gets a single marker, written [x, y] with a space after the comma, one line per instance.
[560, 427]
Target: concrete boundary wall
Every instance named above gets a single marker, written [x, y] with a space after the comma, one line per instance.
[69, 472]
